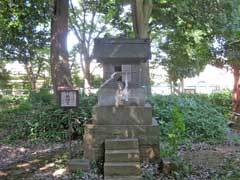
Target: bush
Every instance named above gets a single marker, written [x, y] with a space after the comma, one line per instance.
[38, 117]
[202, 120]
[223, 101]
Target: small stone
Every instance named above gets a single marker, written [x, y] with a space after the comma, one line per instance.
[80, 164]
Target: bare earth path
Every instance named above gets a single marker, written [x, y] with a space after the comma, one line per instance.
[44, 161]
[49, 161]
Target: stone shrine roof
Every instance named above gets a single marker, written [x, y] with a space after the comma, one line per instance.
[121, 50]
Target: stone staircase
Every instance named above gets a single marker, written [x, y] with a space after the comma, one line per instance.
[122, 159]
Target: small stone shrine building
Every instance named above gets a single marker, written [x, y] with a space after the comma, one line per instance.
[121, 113]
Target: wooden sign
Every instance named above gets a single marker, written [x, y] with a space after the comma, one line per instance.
[68, 97]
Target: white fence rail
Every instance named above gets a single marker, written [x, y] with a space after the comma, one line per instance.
[163, 90]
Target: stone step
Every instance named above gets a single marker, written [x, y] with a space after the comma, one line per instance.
[129, 155]
[122, 169]
[122, 178]
[121, 144]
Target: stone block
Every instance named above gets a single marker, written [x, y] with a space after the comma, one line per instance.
[80, 164]
[107, 97]
[122, 169]
[129, 155]
[92, 152]
[96, 134]
[148, 136]
[120, 144]
[122, 115]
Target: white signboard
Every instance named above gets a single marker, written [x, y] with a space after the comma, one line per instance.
[68, 99]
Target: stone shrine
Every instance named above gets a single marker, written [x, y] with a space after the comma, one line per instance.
[123, 131]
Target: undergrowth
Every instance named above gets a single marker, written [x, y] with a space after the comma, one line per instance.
[37, 116]
[185, 119]
[182, 119]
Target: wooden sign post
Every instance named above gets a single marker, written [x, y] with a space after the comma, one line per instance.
[68, 99]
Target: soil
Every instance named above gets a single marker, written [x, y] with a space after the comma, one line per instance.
[47, 161]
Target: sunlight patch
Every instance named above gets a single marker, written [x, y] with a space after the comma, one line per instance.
[47, 166]
[59, 172]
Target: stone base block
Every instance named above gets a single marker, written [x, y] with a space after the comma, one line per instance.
[107, 97]
[79, 164]
[122, 169]
[147, 135]
[122, 115]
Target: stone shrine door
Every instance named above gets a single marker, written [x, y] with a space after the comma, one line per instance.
[126, 73]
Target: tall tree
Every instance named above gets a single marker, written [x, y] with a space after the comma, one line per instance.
[141, 13]
[24, 32]
[187, 29]
[90, 20]
[60, 70]
[226, 44]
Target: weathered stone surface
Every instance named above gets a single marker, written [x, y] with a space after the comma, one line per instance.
[107, 97]
[122, 115]
[129, 155]
[122, 169]
[79, 164]
[134, 75]
[120, 144]
[93, 153]
[148, 136]
[98, 133]
[114, 50]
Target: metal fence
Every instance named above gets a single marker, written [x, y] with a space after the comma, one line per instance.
[163, 90]
[166, 90]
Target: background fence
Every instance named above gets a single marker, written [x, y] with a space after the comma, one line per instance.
[163, 90]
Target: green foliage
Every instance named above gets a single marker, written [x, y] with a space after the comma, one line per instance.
[77, 80]
[190, 117]
[25, 34]
[8, 103]
[43, 97]
[96, 81]
[37, 117]
[175, 132]
[223, 102]
[230, 169]
[4, 76]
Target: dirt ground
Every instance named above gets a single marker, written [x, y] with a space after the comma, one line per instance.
[47, 161]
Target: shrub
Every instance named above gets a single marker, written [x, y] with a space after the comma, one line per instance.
[202, 120]
[38, 117]
[223, 102]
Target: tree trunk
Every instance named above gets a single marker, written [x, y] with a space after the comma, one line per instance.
[181, 84]
[236, 89]
[60, 70]
[31, 77]
[141, 12]
[87, 77]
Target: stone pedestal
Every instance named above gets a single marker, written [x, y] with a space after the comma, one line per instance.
[123, 122]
